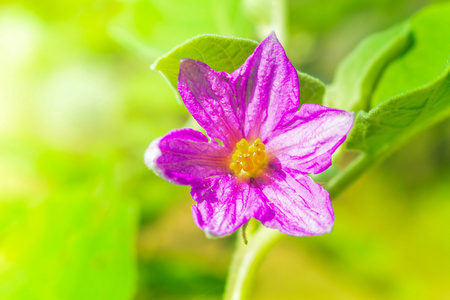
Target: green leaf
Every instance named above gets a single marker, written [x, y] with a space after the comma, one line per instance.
[396, 120]
[356, 76]
[219, 52]
[312, 89]
[424, 62]
[416, 86]
[225, 54]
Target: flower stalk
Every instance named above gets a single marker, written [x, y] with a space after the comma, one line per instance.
[246, 260]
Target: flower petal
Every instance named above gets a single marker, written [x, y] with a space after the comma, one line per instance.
[224, 203]
[267, 89]
[305, 144]
[295, 204]
[184, 155]
[210, 98]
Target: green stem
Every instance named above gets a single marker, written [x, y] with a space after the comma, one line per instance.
[247, 258]
[352, 172]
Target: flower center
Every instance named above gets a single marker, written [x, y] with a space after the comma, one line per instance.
[248, 158]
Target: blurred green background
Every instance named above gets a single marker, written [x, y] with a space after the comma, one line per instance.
[81, 217]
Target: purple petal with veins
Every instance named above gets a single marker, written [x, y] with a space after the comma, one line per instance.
[184, 155]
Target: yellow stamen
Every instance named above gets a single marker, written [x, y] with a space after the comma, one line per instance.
[242, 144]
[236, 155]
[246, 162]
[259, 156]
[236, 167]
[248, 158]
[257, 143]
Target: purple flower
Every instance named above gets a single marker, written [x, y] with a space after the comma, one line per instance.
[260, 147]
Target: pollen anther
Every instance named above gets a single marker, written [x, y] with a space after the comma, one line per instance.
[248, 157]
